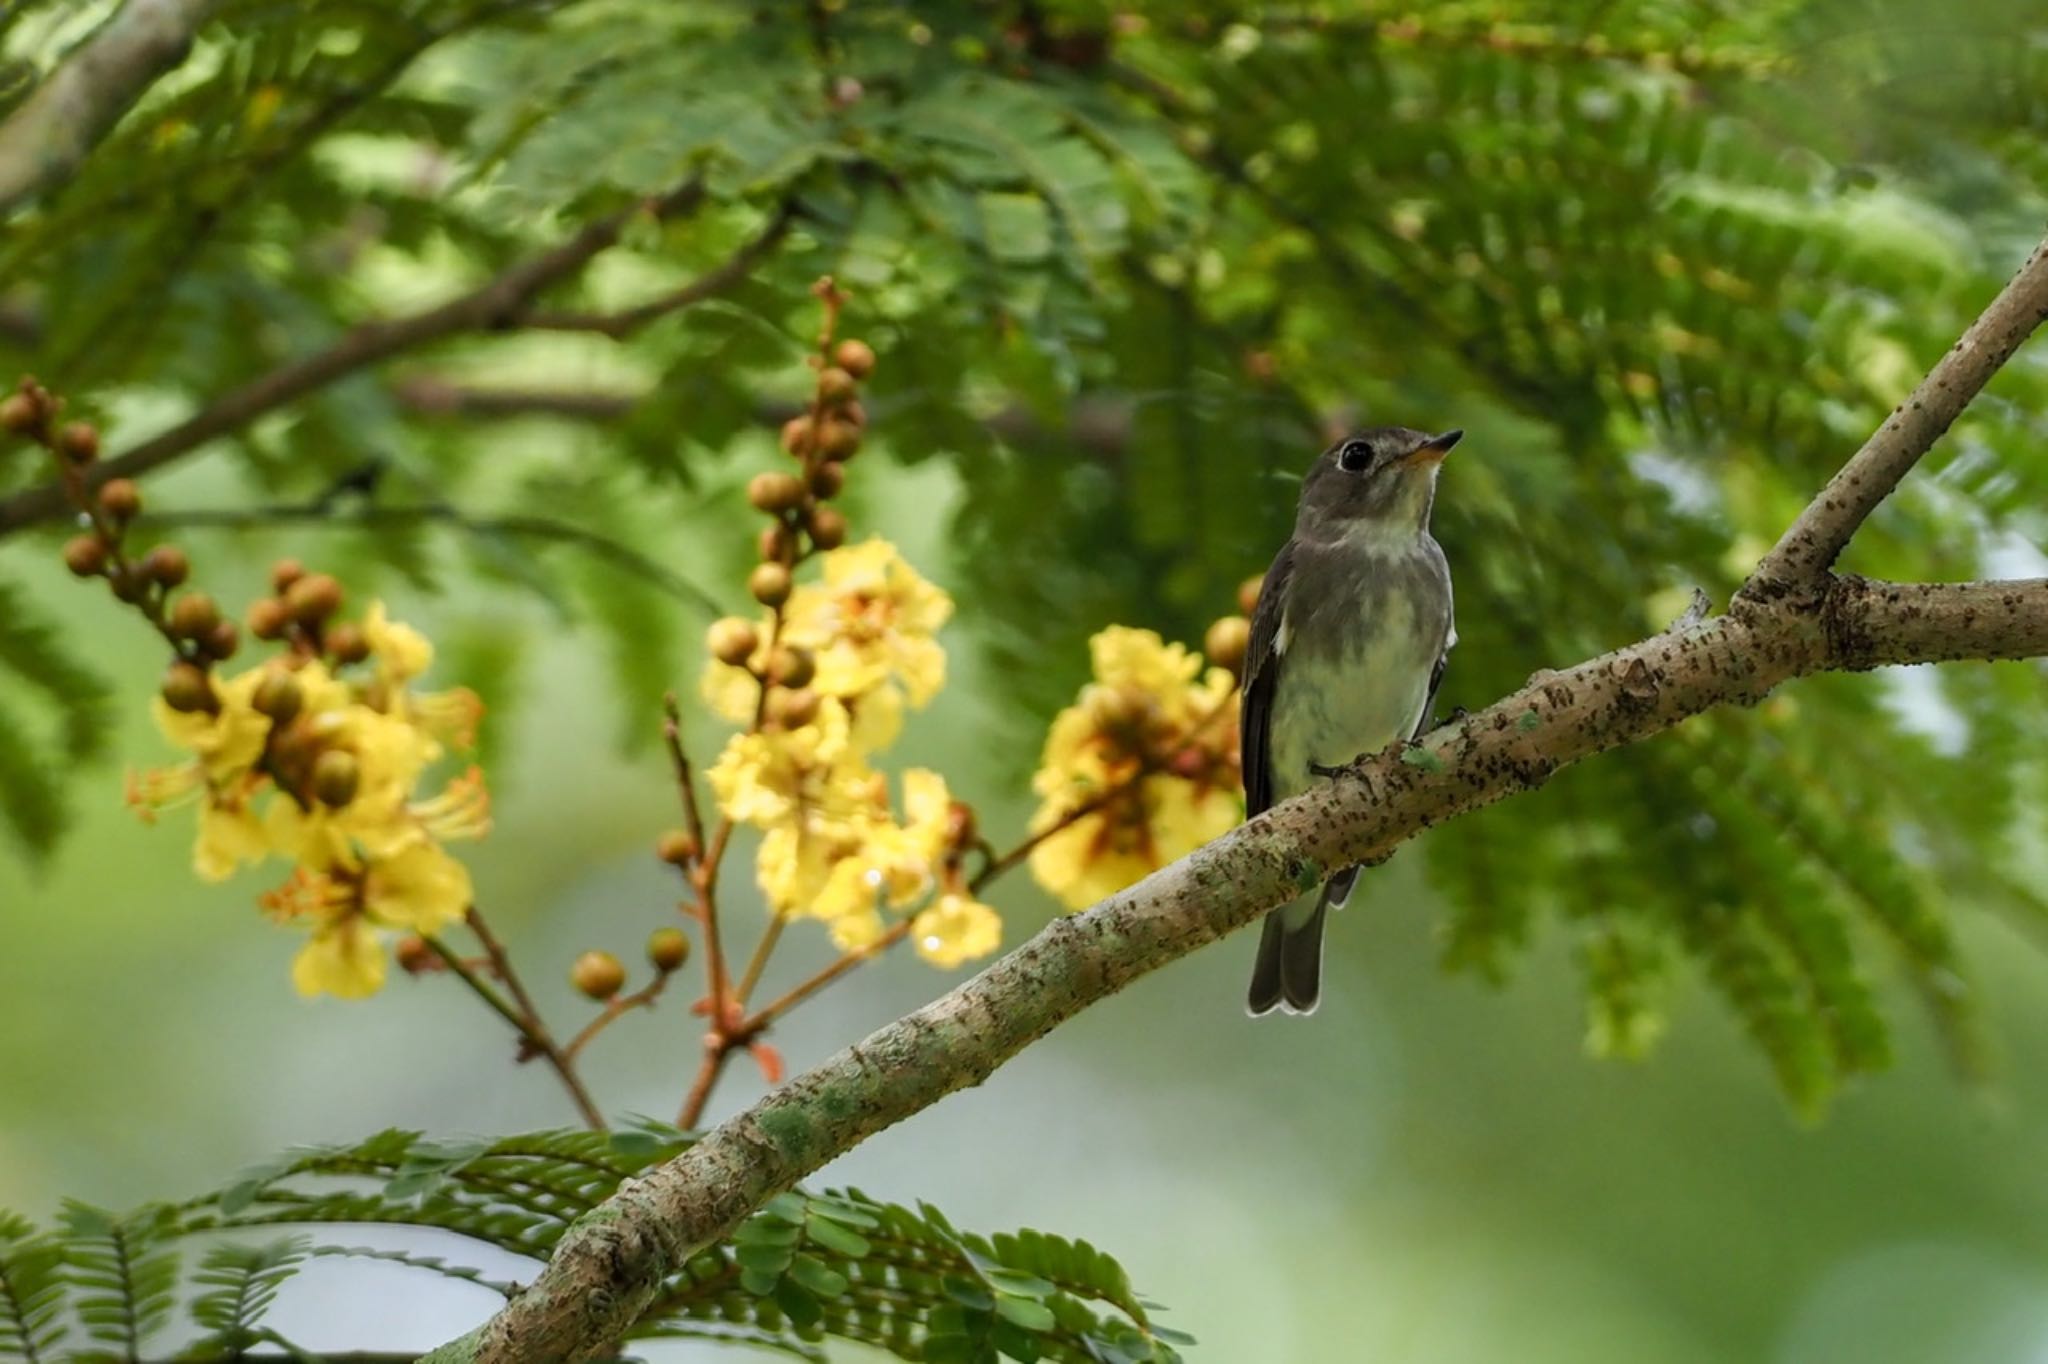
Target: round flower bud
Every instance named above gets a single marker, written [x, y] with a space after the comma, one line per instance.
[839, 440]
[793, 709]
[676, 848]
[78, 442]
[85, 555]
[732, 640]
[827, 479]
[796, 436]
[279, 696]
[187, 688]
[21, 413]
[414, 956]
[836, 386]
[313, 598]
[1248, 593]
[855, 357]
[284, 573]
[268, 618]
[854, 415]
[668, 949]
[791, 667]
[597, 974]
[827, 526]
[167, 564]
[347, 643]
[1226, 641]
[193, 614]
[776, 544]
[120, 499]
[222, 640]
[960, 825]
[775, 493]
[129, 582]
[335, 777]
[770, 584]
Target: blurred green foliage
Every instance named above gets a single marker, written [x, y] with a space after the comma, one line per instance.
[1127, 267]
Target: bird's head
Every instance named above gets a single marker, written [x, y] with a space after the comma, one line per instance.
[1382, 479]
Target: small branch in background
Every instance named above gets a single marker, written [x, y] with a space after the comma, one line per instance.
[613, 1010]
[495, 305]
[46, 137]
[623, 323]
[525, 1016]
[319, 513]
[435, 397]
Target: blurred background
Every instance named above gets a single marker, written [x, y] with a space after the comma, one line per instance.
[1726, 1046]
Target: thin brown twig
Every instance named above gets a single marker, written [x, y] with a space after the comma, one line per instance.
[614, 1009]
[758, 962]
[529, 1020]
[623, 323]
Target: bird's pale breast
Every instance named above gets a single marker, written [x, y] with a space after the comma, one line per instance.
[1363, 632]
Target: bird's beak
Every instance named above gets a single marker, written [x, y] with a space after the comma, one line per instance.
[1433, 450]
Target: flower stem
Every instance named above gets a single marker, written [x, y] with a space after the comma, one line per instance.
[522, 1014]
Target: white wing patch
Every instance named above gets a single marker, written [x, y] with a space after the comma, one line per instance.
[1280, 635]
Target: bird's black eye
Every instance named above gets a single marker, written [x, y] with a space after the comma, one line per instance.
[1355, 455]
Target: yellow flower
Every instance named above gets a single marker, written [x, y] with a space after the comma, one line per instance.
[1139, 771]
[389, 755]
[956, 929]
[776, 776]
[227, 741]
[402, 653]
[796, 869]
[229, 835]
[871, 623]
[857, 932]
[418, 887]
[343, 958]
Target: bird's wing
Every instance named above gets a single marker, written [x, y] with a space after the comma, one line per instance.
[1425, 721]
[1262, 662]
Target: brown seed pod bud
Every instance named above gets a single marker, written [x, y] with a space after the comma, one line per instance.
[775, 493]
[193, 615]
[1248, 593]
[676, 847]
[414, 956]
[284, 573]
[598, 975]
[732, 640]
[796, 436]
[791, 667]
[313, 598]
[222, 640]
[279, 696]
[855, 357]
[336, 776]
[836, 386]
[961, 828]
[85, 555]
[268, 618]
[167, 564]
[793, 709]
[827, 526]
[21, 413]
[839, 440]
[129, 582]
[79, 442]
[187, 688]
[1226, 641]
[855, 415]
[770, 584]
[668, 949]
[347, 642]
[827, 479]
[776, 543]
[120, 499]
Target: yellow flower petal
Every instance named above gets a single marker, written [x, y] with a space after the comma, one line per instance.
[419, 887]
[229, 835]
[342, 958]
[402, 653]
[956, 929]
[857, 932]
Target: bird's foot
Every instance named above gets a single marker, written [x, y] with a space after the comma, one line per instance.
[1354, 769]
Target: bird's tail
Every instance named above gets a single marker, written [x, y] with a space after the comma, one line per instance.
[1288, 974]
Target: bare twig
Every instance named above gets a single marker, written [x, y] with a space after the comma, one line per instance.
[527, 1017]
[53, 130]
[496, 304]
[322, 515]
[623, 323]
[1808, 549]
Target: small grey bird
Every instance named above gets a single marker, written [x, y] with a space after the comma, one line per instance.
[1347, 648]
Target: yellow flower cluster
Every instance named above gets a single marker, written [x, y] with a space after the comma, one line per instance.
[832, 846]
[293, 760]
[1140, 770]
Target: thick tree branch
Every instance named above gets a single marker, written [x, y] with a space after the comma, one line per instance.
[1807, 550]
[611, 1263]
[54, 129]
[498, 303]
[608, 1268]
